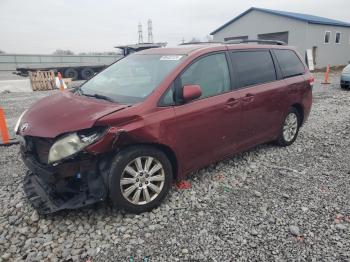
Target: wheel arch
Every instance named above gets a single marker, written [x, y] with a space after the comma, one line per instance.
[166, 150]
[300, 110]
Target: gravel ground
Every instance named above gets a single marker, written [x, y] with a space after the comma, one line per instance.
[15, 103]
[9, 75]
[270, 204]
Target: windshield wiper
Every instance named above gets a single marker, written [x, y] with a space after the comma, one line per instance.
[98, 96]
[79, 91]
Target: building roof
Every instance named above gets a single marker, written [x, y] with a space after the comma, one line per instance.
[311, 19]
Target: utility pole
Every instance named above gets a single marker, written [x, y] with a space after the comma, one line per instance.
[140, 34]
[150, 34]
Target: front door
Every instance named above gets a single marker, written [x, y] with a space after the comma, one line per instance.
[206, 127]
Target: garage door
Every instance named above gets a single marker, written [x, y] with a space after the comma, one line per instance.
[280, 36]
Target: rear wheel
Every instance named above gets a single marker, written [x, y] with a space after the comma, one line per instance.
[86, 73]
[290, 128]
[71, 73]
[140, 178]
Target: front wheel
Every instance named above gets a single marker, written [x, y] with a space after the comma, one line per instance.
[290, 128]
[140, 178]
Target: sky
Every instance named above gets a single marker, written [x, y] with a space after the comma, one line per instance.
[42, 26]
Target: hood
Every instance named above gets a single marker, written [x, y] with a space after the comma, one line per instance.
[64, 112]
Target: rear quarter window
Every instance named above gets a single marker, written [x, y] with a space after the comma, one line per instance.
[289, 62]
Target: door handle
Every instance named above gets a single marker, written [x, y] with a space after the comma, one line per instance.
[231, 102]
[248, 98]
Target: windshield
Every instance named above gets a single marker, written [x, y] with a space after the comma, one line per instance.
[131, 79]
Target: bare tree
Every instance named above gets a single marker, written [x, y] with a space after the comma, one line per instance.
[99, 53]
[2, 52]
[194, 40]
[63, 52]
[209, 38]
[110, 53]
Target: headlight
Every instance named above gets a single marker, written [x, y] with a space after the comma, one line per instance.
[71, 144]
[19, 121]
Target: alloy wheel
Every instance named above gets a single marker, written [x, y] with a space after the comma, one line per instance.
[142, 180]
[290, 127]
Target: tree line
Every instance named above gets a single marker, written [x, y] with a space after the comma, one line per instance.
[69, 52]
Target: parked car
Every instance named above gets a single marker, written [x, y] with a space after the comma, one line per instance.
[156, 116]
[345, 77]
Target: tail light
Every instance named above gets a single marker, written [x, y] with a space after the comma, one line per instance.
[311, 81]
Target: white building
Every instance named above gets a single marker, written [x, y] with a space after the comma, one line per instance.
[328, 39]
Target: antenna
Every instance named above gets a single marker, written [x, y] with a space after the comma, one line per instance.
[150, 34]
[140, 34]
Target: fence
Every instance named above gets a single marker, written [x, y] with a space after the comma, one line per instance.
[9, 62]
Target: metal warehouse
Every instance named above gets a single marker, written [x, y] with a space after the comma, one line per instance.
[327, 40]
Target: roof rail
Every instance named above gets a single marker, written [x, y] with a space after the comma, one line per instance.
[276, 42]
[200, 43]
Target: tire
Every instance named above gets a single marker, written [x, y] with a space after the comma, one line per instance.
[127, 158]
[86, 73]
[288, 138]
[71, 73]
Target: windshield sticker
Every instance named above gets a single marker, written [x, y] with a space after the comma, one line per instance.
[171, 57]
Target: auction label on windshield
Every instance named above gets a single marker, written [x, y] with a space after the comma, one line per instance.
[171, 57]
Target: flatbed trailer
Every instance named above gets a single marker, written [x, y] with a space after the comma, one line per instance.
[80, 70]
[74, 71]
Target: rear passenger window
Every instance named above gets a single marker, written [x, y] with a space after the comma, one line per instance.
[289, 62]
[253, 67]
[211, 73]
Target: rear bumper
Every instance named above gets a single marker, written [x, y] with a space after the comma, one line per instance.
[307, 105]
[345, 81]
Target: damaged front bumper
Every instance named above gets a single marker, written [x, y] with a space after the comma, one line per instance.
[72, 184]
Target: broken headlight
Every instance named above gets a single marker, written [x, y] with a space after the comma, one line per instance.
[72, 144]
[19, 121]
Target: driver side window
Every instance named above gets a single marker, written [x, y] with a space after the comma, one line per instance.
[211, 73]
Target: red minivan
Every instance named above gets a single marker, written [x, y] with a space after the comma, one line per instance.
[154, 117]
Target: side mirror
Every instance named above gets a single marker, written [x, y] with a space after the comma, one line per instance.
[191, 92]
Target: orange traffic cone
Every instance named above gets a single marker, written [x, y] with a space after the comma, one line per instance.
[61, 81]
[3, 128]
[326, 76]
